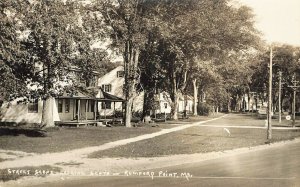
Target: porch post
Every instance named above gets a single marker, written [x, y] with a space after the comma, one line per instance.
[86, 108]
[114, 109]
[104, 110]
[95, 110]
[74, 108]
[122, 111]
[78, 110]
[99, 109]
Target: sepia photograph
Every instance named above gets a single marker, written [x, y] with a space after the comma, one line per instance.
[143, 93]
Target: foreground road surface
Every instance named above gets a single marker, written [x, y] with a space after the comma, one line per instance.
[278, 166]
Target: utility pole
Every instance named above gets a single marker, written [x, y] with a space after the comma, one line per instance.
[269, 130]
[279, 97]
[294, 87]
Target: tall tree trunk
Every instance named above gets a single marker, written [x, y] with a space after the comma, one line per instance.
[47, 112]
[146, 106]
[149, 104]
[131, 58]
[248, 108]
[174, 97]
[185, 106]
[128, 112]
[229, 105]
[237, 104]
[175, 93]
[200, 96]
[195, 96]
[174, 106]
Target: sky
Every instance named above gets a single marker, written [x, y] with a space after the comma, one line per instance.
[278, 20]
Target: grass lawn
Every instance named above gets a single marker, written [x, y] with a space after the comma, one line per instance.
[200, 140]
[191, 119]
[64, 139]
[16, 173]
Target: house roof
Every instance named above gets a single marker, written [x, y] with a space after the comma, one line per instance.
[77, 69]
[110, 97]
[86, 94]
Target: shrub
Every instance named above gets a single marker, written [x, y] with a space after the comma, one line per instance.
[204, 109]
[118, 114]
[137, 115]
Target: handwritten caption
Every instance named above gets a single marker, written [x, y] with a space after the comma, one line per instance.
[126, 173]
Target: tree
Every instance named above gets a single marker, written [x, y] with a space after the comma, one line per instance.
[286, 60]
[186, 29]
[204, 76]
[56, 36]
[129, 23]
[151, 76]
[49, 42]
[205, 30]
[13, 60]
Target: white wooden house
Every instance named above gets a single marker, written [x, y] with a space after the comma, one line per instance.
[185, 103]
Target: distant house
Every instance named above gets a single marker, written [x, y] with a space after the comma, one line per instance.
[185, 103]
[113, 83]
[80, 105]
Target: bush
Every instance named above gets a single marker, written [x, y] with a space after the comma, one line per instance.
[137, 114]
[204, 109]
[118, 114]
[162, 116]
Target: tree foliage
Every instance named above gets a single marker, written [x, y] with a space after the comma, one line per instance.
[197, 32]
[50, 38]
[286, 61]
[13, 60]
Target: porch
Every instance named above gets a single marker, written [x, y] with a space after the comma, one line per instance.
[86, 123]
[83, 110]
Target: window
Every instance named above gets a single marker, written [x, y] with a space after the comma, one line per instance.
[59, 105]
[92, 103]
[106, 87]
[33, 106]
[166, 105]
[106, 105]
[120, 73]
[67, 105]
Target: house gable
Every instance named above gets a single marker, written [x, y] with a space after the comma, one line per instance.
[116, 82]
